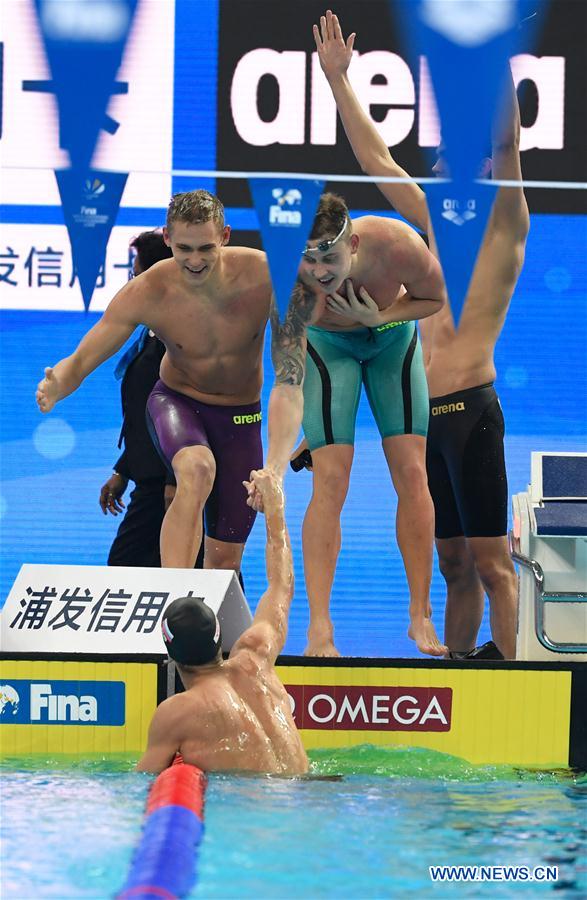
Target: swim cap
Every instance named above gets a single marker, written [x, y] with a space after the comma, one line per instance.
[191, 631]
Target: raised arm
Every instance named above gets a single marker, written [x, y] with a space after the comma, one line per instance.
[266, 636]
[369, 147]
[510, 212]
[101, 342]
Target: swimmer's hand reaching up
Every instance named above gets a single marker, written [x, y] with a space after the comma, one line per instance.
[334, 52]
[265, 491]
[48, 391]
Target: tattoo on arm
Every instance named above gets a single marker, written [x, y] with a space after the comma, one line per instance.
[288, 345]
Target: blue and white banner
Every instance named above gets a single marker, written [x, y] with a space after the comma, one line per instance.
[459, 214]
[468, 46]
[84, 42]
[44, 702]
[286, 211]
[90, 204]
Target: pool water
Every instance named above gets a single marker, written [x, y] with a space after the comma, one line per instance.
[69, 828]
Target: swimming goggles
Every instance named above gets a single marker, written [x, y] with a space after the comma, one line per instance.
[323, 246]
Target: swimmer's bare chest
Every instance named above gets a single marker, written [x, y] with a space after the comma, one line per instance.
[214, 352]
[379, 284]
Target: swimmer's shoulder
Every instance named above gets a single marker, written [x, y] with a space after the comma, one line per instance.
[246, 661]
[160, 275]
[151, 286]
[245, 258]
[170, 714]
[382, 229]
[136, 299]
[388, 242]
[249, 267]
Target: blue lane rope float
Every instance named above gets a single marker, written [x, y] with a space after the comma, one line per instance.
[164, 864]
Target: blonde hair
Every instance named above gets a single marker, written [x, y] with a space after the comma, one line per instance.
[195, 208]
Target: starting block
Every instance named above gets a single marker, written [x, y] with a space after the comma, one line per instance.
[549, 543]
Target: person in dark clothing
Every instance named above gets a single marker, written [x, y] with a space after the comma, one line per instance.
[137, 539]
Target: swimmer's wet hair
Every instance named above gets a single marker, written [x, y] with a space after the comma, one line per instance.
[330, 217]
[195, 208]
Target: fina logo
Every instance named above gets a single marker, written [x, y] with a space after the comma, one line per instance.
[453, 214]
[93, 188]
[49, 707]
[93, 703]
[281, 212]
[9, 699]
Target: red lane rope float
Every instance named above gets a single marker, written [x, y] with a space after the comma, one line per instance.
[164, 864]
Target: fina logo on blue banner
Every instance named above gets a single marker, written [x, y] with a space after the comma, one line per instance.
[283, 211]
[286, 210]
[25, 702]
[90, 204]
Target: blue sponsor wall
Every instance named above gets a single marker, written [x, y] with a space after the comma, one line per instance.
[53, 466]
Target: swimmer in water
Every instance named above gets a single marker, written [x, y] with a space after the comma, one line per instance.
[234, 715]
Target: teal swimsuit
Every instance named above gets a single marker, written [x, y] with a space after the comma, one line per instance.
[387, 360]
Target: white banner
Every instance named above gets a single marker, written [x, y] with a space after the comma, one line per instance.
[139, 129]
[36, 269]
[113, 610]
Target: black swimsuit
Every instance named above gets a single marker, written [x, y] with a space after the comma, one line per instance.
[466, 465]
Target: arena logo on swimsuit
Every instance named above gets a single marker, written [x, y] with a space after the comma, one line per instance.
[404, 96]
[371, 708]
[247, 419]
[448, 407]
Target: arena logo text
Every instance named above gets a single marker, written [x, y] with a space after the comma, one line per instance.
[448, 408]
[408, 100]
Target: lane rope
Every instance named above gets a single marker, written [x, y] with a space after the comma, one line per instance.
[165, 861]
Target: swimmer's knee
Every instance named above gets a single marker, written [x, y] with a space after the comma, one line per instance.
[222, 554]
[332, 481]
[410, 475]
[493, 562]
[194, 467]
[497, 575]
[455, 562]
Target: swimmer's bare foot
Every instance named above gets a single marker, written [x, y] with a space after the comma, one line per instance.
[422, 631]
[321, 643]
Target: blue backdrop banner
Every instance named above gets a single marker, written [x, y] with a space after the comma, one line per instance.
[468, 47]
[286, 210]
[90, 204]
[459, 214]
